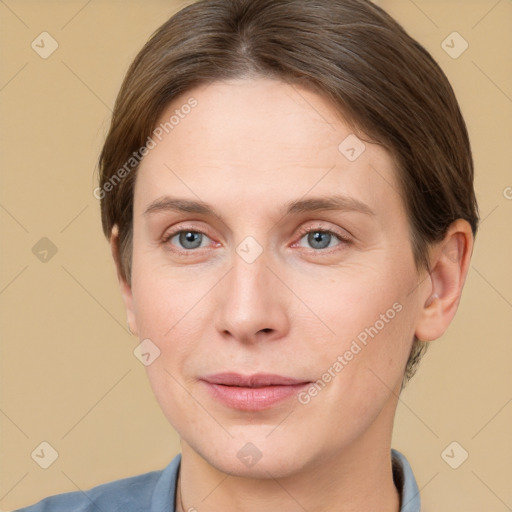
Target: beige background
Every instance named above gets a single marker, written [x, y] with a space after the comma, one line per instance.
[69, 376]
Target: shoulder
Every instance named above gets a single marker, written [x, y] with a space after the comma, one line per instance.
[141, 492]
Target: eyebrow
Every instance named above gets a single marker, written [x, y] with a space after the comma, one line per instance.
[335, 202]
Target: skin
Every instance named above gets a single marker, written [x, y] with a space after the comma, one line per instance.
[249, 148]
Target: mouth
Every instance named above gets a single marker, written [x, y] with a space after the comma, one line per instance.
[252, 392]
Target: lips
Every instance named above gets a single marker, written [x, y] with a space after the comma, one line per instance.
[257, 380]
[252, 392]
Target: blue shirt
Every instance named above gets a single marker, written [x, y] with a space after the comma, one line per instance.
[155, 492]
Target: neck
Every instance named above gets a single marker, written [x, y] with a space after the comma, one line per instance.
[315, 493]
[359, 477]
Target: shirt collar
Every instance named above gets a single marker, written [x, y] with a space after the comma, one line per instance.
[405, 483]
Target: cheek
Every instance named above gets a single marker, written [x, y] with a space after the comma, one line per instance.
[368, 320]
[169, 318]
[360, 366]
[353, 301]
[171, 312]
[162, 301]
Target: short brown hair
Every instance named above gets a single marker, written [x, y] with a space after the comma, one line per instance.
[349, 51]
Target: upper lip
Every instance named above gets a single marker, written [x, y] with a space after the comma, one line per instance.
[251, 381]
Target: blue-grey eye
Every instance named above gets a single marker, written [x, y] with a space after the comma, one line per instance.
[189, 239]
[321, 239]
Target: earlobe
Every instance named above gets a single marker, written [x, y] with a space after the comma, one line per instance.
[449, 266]
[126, 290]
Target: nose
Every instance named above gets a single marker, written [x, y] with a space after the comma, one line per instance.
[252, 305]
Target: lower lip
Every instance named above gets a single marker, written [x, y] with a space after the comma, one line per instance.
[253, 399]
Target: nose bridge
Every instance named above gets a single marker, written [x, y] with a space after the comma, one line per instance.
[248, 279]
[251, 302]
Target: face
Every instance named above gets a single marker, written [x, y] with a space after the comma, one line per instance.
[272, 269]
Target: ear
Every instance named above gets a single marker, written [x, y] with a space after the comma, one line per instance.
[126, 290]
[449, 264]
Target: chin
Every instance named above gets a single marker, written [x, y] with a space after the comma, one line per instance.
[253, 453]
[271, 465]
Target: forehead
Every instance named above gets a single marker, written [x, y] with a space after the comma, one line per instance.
[262, 140]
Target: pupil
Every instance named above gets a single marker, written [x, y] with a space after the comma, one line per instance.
[319, 240]
[190, 239]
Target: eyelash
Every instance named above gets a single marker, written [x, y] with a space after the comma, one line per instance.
[302, 233]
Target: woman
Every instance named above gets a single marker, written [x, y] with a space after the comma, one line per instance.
[287, 188]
